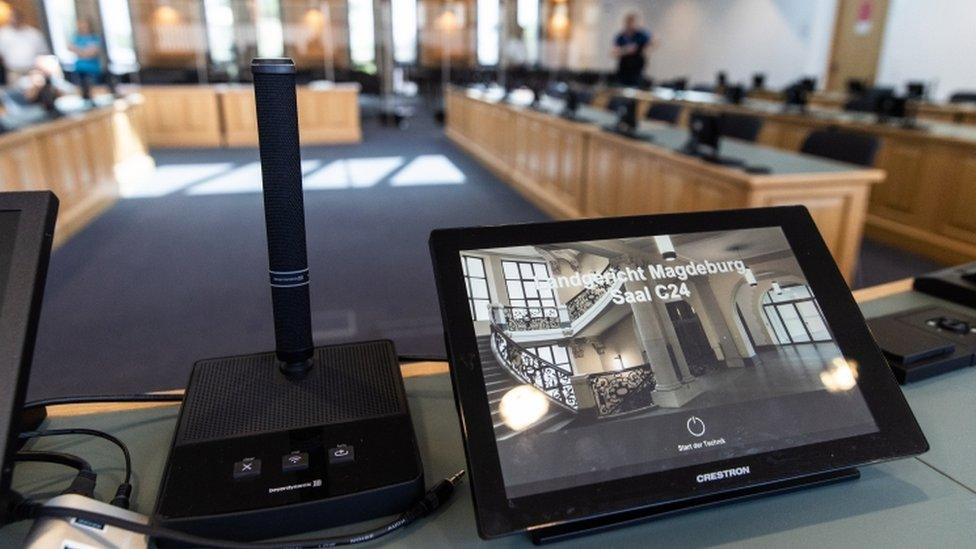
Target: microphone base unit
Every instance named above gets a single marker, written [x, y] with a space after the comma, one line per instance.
[260, 454]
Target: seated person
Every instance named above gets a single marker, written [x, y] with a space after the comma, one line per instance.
[44, 84]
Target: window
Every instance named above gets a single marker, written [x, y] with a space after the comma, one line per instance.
[362, 47]
[554, 354]
[271, 37]
[404, 15]
[61, 21]
[476, 281]
[527, 17]
[488, 32]
[523, 291]
[119, 42]
[794, 316]
[219, 16]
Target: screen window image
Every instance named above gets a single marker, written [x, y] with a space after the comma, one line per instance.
[614, 358]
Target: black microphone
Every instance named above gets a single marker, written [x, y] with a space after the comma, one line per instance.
[284, 210]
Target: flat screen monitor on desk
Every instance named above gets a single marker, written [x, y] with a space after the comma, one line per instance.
[26, 230]
[630, 364]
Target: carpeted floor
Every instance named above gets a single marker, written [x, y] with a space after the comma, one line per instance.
[177, 271]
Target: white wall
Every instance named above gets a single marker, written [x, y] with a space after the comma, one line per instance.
[786, 39]
[932, 40]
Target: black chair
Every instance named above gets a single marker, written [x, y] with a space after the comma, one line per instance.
[740, 126]
[963, 97]
[617, 102]
[664, 112]
[853, 148]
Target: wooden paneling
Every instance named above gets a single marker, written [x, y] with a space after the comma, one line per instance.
[329, 115]
[82, 158]
[573, 170]
[214, 116]
[182, 116]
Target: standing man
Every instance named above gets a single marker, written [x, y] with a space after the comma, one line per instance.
[628, 48]
[20, 44]
[87, 45]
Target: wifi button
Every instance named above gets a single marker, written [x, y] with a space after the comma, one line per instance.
[295, 461]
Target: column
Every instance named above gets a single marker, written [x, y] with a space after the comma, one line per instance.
[671, 390]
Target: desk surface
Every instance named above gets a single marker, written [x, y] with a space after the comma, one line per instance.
[929, 501]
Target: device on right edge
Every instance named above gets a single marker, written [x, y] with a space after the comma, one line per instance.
[607, 371]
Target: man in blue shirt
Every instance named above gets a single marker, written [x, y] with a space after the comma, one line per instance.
[88, 47]
[628, 48]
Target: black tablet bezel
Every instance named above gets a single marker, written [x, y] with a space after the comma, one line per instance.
[898, 436]
[21, 306]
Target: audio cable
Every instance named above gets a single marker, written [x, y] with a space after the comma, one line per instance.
[124, 491]
[83, 483]
[432, 500]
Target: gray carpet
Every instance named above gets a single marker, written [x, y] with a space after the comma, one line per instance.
[158, 282]
[178, 271]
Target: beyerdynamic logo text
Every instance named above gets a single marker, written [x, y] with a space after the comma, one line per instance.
[719, 475]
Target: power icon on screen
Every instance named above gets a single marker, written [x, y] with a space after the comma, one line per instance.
[696, 426]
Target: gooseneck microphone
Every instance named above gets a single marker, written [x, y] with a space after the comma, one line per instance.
[284, 210]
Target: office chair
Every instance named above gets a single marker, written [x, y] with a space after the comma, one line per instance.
[664, 112]
[740, 126]
[963, 97]
[853, 148]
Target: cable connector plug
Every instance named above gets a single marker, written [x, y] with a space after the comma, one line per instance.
[440, 493]
[122, 495]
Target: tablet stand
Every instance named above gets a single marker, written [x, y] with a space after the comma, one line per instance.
[563, 532]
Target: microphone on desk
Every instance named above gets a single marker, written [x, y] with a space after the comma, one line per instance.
[284, 210]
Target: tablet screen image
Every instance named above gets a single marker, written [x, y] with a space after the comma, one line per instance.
[609, 359]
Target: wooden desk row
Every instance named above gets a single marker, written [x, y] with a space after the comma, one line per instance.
[223, 115]
[573, 170]
[82, 158]
[923, 205]
[955, 113]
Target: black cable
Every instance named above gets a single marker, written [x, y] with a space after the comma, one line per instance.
[87, 432]
[434, 498]
[124, 491]
[83, 483]
[59, 458]
[90, 399]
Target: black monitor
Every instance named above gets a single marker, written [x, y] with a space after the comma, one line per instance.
[856, 87]
[809, 84]
[705, 132]
[572, 98]
[721, 79]
[735, 94]
[26, 230]
[915, 90]
[758, 81]
[795, 97]
[626, 110]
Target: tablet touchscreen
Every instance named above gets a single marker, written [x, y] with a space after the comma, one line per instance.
[609, 359]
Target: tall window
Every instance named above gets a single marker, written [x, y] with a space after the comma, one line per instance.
[795, 315]
[476, 281]
[523, 291]
[119, 41]
[219, 17]
[271, 37]
[527, 17]
[554, 354]
[362, 45]
[61, 20]
[488, 32]
[404, 15]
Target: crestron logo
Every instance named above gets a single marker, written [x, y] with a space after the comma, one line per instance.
[726, 473]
